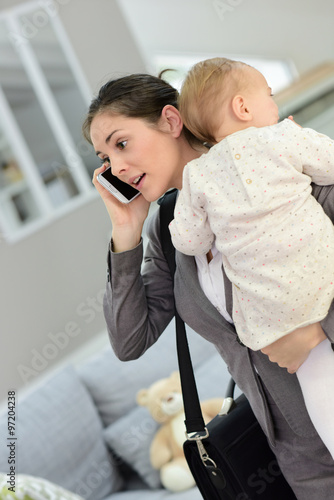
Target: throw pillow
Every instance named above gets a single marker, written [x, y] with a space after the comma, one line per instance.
[130, 439]
[33, 488]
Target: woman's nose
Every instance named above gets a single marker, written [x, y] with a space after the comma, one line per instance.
[118, 167]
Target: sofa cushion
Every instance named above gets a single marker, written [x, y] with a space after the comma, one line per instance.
[192, 494]
[130, 437]
[33, 488]
[59, 436]
[114, 384]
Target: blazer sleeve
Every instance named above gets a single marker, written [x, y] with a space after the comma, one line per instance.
[325, 196]
[139, 300]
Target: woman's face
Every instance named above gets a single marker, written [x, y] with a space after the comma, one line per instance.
[146, 156]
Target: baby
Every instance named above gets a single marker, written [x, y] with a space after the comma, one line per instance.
[251, 194]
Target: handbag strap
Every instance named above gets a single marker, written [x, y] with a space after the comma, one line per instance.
[230, 389]
[194, 421]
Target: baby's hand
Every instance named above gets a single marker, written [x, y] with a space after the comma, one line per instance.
[291, 351]
[291, 118]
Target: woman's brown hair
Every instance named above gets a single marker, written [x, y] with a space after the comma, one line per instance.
[134, 96]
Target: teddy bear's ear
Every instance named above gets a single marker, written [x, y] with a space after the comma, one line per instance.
[142, 397]
[175, 376]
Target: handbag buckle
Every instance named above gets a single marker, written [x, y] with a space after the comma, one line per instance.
[198, 435]
[204, 454]
[215, 474]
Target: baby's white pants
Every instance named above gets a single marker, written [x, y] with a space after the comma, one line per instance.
[316, 378]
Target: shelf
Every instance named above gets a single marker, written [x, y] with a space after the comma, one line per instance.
[43, 96]
[13, 189]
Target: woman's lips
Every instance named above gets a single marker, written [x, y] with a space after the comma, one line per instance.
[137, 181]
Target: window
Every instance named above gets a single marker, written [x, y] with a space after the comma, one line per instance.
[45, 164]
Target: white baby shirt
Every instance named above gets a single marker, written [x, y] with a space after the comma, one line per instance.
[252, 192]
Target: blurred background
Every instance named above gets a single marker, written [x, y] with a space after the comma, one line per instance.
[54, 56]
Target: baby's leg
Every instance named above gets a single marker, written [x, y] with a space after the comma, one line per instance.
[316, 378]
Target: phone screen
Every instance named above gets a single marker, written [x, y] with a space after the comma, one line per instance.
[125, 189]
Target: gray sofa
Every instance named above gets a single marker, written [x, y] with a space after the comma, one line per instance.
[81, 428]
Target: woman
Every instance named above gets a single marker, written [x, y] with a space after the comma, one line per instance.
[134, 125]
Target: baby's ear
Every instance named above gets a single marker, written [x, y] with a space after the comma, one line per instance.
[240, 109]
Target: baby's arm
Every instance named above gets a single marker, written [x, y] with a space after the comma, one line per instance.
[190, 229]
[292, 350]
[317, 155]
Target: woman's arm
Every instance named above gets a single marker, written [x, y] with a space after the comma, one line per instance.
[139, 300]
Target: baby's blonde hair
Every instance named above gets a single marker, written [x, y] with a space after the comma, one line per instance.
[204, 90]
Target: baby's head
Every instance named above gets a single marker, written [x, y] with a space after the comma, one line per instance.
[220, 96]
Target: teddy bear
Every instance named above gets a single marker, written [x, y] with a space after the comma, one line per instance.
[164, 401]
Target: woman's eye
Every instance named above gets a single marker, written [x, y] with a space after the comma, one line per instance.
[121, 144]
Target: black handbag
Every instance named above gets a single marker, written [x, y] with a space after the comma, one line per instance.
[229, 458]
[232, 460]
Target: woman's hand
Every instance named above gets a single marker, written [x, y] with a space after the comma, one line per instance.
[127, 218]
[292, 350]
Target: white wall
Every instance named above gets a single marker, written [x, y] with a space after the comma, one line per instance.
[301, 30]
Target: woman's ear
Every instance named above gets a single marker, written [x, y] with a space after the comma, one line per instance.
[240, 109]
[171, 120]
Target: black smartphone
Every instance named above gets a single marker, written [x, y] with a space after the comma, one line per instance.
[121, 190]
